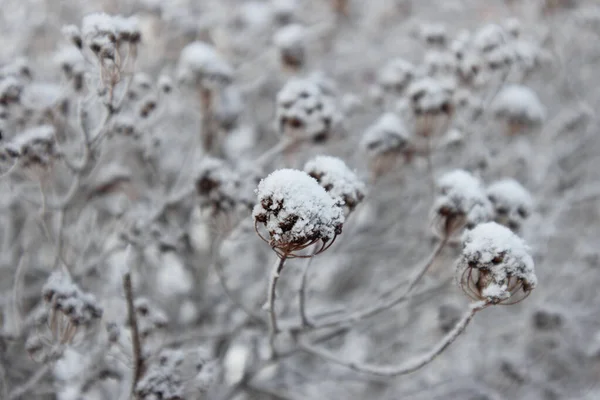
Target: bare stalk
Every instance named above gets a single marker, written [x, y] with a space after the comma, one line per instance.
[208, 134]
[411, 365]
[138, 361]
[31, 383]
[271, 297]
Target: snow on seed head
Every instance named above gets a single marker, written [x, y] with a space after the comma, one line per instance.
[511, 201]
[387, 135]
[202, 64]
[217, 185]
[337, 179]
[495, 265]
[296, 211]
[518, 104]
[428, 96]
[289, 41]
[489, 37]
[163, 380]
[303, 108]
[434, 34]
[461, 202]
[36, 147]
[10, 90]
[440, 63]
[395, 75]
[70, 60]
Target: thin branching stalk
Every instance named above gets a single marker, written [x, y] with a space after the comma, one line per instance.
[271, 296]
[411, 365]
[138, 361]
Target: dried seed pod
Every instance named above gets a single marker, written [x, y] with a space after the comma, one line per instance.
[461, 202]
[297, 212]
[495, 265]
[512, 203]
[337, 179]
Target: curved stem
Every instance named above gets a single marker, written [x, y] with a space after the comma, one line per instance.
[138, 361]
[302, 294]
[411, 365]
[271, 295]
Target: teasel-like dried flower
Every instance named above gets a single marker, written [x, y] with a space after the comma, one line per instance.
[217, 185]
[337, 179]
[461, 202]
[512, 203]
[304, 110]
[495, 265]
[289, 42]
[432, 104]
[297, 213]
[519, 107]
[387, 142]
[70, 310]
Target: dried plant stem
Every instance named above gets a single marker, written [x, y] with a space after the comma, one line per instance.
[426, 265]
[138, 361]
[206, 108]
[271, 295]
[31, 383]
[302, 291]
[413, 364]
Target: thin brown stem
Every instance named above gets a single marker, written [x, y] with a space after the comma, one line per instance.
[409, 366]
[138, 361]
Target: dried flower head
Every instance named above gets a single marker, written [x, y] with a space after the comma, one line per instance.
[10, 90]
[289, 41]
[519, 106]
[151, 319]
[512, 203]
[461, 202]
[495, 265]
[303, 108]
[201, 64]
[70, 309]
[163, 379]
[432, 104]
[434, 34]
[297, 212]
[395, 75]
[337, 179]
[217, 185]
[440, 63]
[36, 148]
[489, 37]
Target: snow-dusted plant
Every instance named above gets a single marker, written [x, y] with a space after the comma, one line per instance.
[337, 179]
[296, 212]
[432, 105]
[217, 185]
[512, 203]
[496, 265]
[461, 202]
[395, 75]
[290, 43]
[520, 107]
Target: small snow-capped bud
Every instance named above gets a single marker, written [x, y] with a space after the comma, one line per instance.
[98, 25]
[124, 125]
[289, 40]
[35, 347]
[396, 75]
[203, 65]
[72, 33]
[114, 332]
[151, 319]
[127, 29]
[70, 60]
[434, 34]
[495, 265]
[147, 106]
[429, 97]
[337, 179]
[513, 26]
[36, 147]
[519, 106]
[489, 37]
[165, 84]
[217, 185]
[440, 63]
[297, 212]
[512, 203]
[10, 90]
[461, 202]
[163, 379]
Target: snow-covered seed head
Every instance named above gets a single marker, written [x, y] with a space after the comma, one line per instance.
[489, 38]
[512, 203]
[70, 60]
[297, 212]
[201, 64]
[337, 179]
[36, 148]
[289, 41]
[519, 106]
[434, 34]
[165, 84]
[70, 309]
[10, 90]
[495, 265]
[440, 63]
[304, 109]
[396, 75]
[147, 106]
[461, 202]
[73, 35]
[217, 185]
[163, 379]
[432, 104]
[151, 319]
[124, 125]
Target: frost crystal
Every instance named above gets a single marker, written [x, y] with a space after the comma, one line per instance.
[337, 179]
[387, 135]
[303, 106]
[495, 265]
[512, 203]
[519, 105]
[296, 211]
[461, 202]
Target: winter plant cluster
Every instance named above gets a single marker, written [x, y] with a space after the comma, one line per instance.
[281, 199]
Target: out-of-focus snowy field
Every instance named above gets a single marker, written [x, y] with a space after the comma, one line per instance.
[450, 196]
